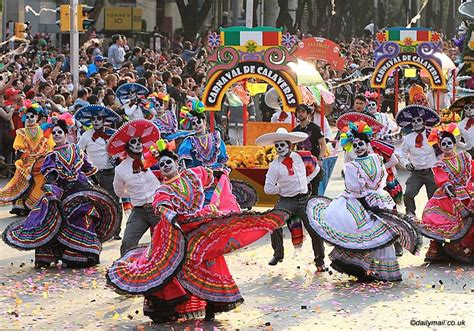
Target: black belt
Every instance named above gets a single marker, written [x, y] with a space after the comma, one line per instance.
[420, 170]
[299, 196]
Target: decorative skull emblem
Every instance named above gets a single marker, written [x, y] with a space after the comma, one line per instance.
[446, 145]
[135, 145]
[360, 147]
[282, 148]
[418, 124]
[469, 110]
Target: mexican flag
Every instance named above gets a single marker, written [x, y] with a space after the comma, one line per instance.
[240, 36]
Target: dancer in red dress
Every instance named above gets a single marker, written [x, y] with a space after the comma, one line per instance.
[183, 273]
[447, 217]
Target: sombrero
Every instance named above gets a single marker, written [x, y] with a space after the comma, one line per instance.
[405, 116]
[127, 91]
[281, 134]
[458, 105]
[145, 129]
[353, 116]
[84, 114]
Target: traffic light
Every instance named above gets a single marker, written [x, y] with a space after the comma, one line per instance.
[64, 20]
[83, 21]
[21, 30]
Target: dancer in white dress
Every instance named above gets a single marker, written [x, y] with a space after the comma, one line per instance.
[360, 222]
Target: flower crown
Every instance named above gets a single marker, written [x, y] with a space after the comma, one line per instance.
[155, 148]
[48, 125]
[347, 137]
[185, 111]
[436, 133]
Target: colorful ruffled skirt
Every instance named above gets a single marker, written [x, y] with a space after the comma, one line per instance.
[66, 225]
[184, 274]
[449, 221]
[363, 240]
[24, 190]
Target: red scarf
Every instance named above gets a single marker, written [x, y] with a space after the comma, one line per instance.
[100, 134]
[288, 163]
[470, 122]
[137, 164]
[419, 140]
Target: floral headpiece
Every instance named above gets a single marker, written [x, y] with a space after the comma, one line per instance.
[36, 106]
[347, 137]
[436, 133]
[48, 125]
[371, 95]
[157, 97]
[151, 155]
[185, 111]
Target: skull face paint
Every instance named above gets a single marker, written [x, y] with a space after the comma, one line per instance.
[282, 148]
[418, 124]
[59, 136]
[469, 110]
[97, 122]
[372, 107]
[168, 167]
[135, 145]
[360, 147]
[446, 145]
[31, 119]
[199, 125]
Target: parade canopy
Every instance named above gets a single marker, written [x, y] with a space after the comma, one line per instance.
[419, 47]
[261, 53]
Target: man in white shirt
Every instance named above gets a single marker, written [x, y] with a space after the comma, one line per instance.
[134, 181]
[466, 126]
[416, 155]
[94, 143]
[287, 177]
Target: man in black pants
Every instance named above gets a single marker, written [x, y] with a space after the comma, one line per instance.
[287, 177]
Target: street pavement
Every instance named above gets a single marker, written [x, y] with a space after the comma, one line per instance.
[289, 296]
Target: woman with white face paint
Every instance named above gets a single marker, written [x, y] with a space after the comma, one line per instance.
[183, 273]
[165, 119]
[31, 142]
[447, 215]
[360, 223]
[72, 218]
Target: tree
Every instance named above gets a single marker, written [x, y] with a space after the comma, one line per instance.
[192, 16]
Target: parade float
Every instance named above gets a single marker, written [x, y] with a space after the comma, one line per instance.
[246, 61]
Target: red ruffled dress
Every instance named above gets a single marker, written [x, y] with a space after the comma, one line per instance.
[446, 219]
[183, 273]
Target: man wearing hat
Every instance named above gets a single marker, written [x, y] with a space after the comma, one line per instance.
[466, 126]
[93, 68]
[94, 142]
[287, 177]
[132, 180]
[416, 155]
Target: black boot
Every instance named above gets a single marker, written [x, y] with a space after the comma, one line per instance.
[275, 261]
[210, 315]
[398, 249]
